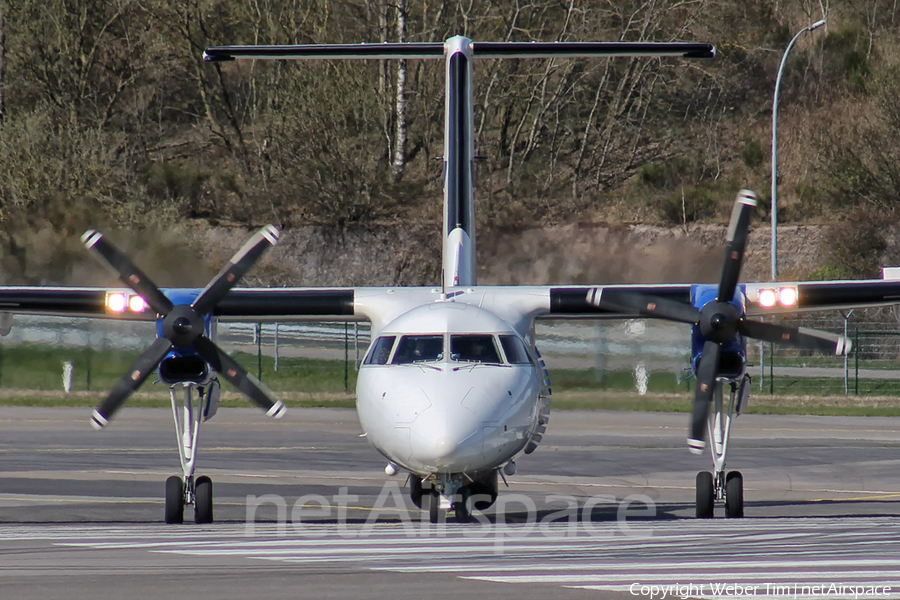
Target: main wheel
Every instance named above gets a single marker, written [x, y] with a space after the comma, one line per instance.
[734, 494]
[203, 500]
[174, 500]
[705, 495]
[462, 507]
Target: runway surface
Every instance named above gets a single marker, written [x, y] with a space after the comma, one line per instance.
[303, 510]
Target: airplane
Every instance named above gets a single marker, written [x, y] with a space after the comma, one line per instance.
[452, 389]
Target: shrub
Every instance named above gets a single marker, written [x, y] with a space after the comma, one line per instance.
[691, 204]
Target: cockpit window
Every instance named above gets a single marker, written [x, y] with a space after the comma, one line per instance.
[419, 348]
[514, 350]
[381, 350]
[474, 348]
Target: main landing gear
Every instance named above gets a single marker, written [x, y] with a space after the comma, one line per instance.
[722, 486]
[186, 490]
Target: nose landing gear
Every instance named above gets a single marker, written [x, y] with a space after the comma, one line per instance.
[460, 493]
[722, 486]
[186, 490]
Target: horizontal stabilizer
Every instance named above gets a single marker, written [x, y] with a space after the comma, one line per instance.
[435, 50]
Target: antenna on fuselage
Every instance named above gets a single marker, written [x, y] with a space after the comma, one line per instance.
[458, 261]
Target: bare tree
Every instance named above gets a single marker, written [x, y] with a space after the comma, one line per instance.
[2, 63]
[400, 131]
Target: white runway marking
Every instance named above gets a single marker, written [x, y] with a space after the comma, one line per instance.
[773, 558]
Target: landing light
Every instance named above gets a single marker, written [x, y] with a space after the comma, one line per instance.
[118, 302]
[136, 304]
[767, 298]
[785, 296]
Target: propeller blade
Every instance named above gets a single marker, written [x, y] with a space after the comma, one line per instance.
[735, 242]
[644, 305]
[811, 339]
[132, 380]
[127, 271]
[231, 273]
[706, 386]
[249, 385]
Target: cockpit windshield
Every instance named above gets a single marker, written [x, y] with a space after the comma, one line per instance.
[477, 348]
[419, 348]
[480, 348]
[381, 350]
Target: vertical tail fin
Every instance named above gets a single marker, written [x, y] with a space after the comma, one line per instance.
[459, 156]
[459, 150]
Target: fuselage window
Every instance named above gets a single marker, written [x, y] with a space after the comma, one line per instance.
[381, 350]
[514, 350]
[418, 348]
[474, 348]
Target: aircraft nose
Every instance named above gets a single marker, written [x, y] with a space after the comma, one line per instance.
[439, 448]
[442, 441]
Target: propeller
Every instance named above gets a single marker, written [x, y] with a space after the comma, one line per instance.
[719, 320]
[183, 325]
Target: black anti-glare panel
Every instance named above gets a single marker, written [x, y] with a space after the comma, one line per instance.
[287, 303]
[459, 163]
[847, 293]
[573, 301]
[589, 49]
[326, 51]
[49, 300]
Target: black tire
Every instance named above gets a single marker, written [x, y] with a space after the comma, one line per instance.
[415, 490]
[203, 500]
[734, 495]
[431, 501]
[174, 500]
[462, 507]
[705, 495]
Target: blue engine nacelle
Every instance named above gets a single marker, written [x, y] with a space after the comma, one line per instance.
[733, 359]
[184, 368]
[183, 364]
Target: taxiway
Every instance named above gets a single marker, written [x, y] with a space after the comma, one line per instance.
[81, 511]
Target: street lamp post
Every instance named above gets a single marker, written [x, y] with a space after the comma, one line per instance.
[774, 209]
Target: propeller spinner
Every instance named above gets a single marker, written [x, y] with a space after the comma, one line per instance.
[719, 320]
[183, 325]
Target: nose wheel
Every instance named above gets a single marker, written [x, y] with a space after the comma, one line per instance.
[431, 501]
[734, 494]
[174, 500]
[203, 500]
[462, 507]
[443, 493]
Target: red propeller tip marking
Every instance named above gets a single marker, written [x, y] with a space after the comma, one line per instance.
[651, 306]
[135, 375]
[232, 373]
[134, 279]
[704, 387]
[734, 255]
[230, 277]
[785, 336]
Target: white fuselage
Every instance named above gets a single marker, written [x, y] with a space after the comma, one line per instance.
[447, 412]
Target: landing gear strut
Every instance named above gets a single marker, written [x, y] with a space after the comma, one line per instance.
[722, 486]
[458, 493]
[199, 404]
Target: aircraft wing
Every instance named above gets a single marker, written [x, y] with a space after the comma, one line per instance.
[240, 304]
[568, 301]
[575, 301]
[380, 305]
